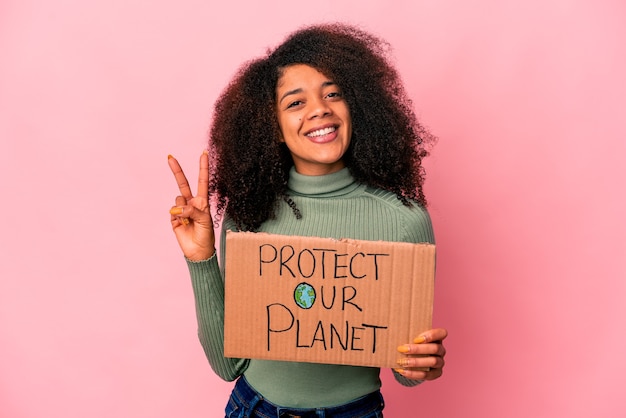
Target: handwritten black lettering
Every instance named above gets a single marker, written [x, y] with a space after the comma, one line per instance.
[324, 251]
[263, 260]
[376, 262]
[334, 331]
[319, 330]
[283, 261]
[332, 302]
[355, 338]
[356, 276]
[271, 313]
[374, 328]
[313, 263]
[345, 300]
[280, 325]
[338, 266]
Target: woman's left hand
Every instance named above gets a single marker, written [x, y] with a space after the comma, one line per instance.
[424, 358]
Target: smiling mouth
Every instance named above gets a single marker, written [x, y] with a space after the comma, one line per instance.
[321, 132]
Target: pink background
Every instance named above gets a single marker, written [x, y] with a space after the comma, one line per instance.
[526, 188]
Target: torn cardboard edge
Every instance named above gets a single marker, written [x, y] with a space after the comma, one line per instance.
[324, 300]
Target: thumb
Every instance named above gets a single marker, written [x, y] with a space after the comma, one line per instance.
[178, 213]
[187, 213]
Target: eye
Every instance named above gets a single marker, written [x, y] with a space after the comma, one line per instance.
[334, 95]
[294, 104]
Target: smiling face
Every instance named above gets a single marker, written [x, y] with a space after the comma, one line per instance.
[314, 120]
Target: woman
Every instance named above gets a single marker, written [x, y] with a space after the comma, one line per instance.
[317, 138]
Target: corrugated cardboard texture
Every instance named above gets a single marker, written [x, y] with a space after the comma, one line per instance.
[323, 300]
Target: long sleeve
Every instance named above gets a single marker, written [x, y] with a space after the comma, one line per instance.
[208, 288]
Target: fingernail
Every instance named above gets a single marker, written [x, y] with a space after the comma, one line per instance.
[404, 349]
[205, 152]
[404, 362]
[420, 339]
[176, 211]
[399, 371]
[169, 156]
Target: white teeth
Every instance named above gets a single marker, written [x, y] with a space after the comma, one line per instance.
[321, 132]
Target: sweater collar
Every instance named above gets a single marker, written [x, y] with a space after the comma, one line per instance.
[335, 184]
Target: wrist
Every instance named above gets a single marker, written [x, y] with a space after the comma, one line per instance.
[200, 256]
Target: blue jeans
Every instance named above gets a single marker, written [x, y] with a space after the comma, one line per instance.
[245, 402]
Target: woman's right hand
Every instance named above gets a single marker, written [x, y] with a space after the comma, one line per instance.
[191, 217]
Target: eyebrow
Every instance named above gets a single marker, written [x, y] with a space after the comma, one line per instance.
[299, 90]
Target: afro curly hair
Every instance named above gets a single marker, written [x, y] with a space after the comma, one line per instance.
[250, 167]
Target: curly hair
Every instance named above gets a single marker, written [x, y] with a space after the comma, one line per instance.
[250, 167]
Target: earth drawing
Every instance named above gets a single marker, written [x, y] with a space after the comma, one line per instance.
[304, 295]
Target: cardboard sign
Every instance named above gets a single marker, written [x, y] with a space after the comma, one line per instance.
[323, 300]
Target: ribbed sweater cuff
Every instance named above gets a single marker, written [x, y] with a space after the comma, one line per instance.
[406, 382]
[207, 281]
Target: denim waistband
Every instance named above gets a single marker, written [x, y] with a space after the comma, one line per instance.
[257, 406]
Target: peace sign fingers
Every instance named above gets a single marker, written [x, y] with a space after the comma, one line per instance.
[191, 217]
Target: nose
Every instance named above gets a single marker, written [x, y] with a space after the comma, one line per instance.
[319, 109]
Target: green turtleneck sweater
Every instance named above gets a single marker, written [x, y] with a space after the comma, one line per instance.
[332, 206]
